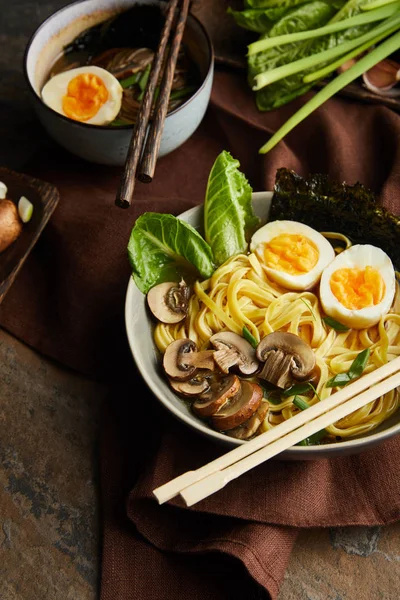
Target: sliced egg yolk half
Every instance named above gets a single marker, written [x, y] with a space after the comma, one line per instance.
[358, 287]
[293, 254]
[86, 94]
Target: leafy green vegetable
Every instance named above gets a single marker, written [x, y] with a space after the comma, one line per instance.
[273, 3]
[335, 324]
[164, 248]
[256, 19]
[303, 18]
[249, 337]
[350, 209]
[290, 87]
[182, 92]
[356, 369]
[229, 219]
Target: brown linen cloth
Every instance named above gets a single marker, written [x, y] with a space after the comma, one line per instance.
[68, 303]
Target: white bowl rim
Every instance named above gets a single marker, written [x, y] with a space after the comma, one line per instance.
[336, 448]
[110, 127]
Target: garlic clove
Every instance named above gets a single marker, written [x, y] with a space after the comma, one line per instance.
[383, 77]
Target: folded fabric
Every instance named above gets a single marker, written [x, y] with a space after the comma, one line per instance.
[236, 543]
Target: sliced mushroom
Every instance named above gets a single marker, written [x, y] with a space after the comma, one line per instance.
[239, 408]
[219, 393]
[285, 356]
[233, 350]
[194, 386]
[250, 427]
[169, 301]
[181, 359]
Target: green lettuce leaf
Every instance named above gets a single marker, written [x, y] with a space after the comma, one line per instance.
[164, 248]
[260, 20]
[229, 219]
[273, 3]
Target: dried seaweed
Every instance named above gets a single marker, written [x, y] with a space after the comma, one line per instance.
[327, 205]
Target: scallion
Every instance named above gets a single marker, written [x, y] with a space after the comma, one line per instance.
[316, 437]
[335, 324]
[376, 4]
[267, 77]
[125, 83]
[249, 337]
[356, 370]
[367, 62]
[290, 38]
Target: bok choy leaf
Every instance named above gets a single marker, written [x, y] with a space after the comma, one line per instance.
[229, 219]
[164, 248]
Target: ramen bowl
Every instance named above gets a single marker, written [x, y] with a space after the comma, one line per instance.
[140, 327]
[101, 144]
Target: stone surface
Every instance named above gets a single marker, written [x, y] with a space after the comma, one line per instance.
[49, 499]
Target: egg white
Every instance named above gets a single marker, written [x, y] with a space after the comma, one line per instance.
[359, 257]
[293, 282]
[56, 88]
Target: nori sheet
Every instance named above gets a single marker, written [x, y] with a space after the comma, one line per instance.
[328, 205]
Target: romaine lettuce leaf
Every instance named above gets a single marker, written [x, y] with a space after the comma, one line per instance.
[164, 248]
[229, 219]
[260, 20]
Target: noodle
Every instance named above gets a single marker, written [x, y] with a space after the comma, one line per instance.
[240, 294]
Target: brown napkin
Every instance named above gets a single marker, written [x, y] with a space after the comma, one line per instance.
[68, 303]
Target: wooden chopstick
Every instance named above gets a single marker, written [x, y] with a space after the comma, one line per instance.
[150, 153]
[176, 486]
[127, 184]
[211, 484]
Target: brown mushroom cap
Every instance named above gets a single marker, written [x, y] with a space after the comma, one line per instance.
[219, 393]
[10, 224]
[169, 301]
[285, 356]
[250, 427]
[174, 359]
[239, 408]
[234, 350]
[194, 386]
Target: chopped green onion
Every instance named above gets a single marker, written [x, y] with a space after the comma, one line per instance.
[125, 83]
[249, 337]
[182, 93]
[335, 324]
[298, 388]
[367, 62]
[266, 77]
[142, 82]
[316, 437]
[25, 209]
[358, 365]
[356, 369]
[300, 403]
[270, 392]
[289, 38]
[118, 123]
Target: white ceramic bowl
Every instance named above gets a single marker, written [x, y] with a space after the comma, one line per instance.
[139, 327]
[99, 144]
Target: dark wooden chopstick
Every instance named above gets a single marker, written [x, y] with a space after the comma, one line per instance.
[127, 185]
[150, 153]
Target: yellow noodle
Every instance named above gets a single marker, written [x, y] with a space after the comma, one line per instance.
[240, 294]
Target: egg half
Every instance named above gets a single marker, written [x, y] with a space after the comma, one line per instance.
[293, 254]
[358, 287]
[86, 94]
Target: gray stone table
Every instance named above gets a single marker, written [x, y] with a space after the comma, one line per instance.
[49, 492]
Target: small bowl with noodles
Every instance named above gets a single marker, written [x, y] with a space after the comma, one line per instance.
[307, 311]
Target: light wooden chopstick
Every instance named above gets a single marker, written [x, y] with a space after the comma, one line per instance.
[192, 484]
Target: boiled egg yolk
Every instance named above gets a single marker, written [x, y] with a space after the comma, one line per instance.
[357, 288]
[89, 95]
[85, 94]
[291, 253]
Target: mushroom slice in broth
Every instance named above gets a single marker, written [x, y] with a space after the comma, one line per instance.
[233, 350]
